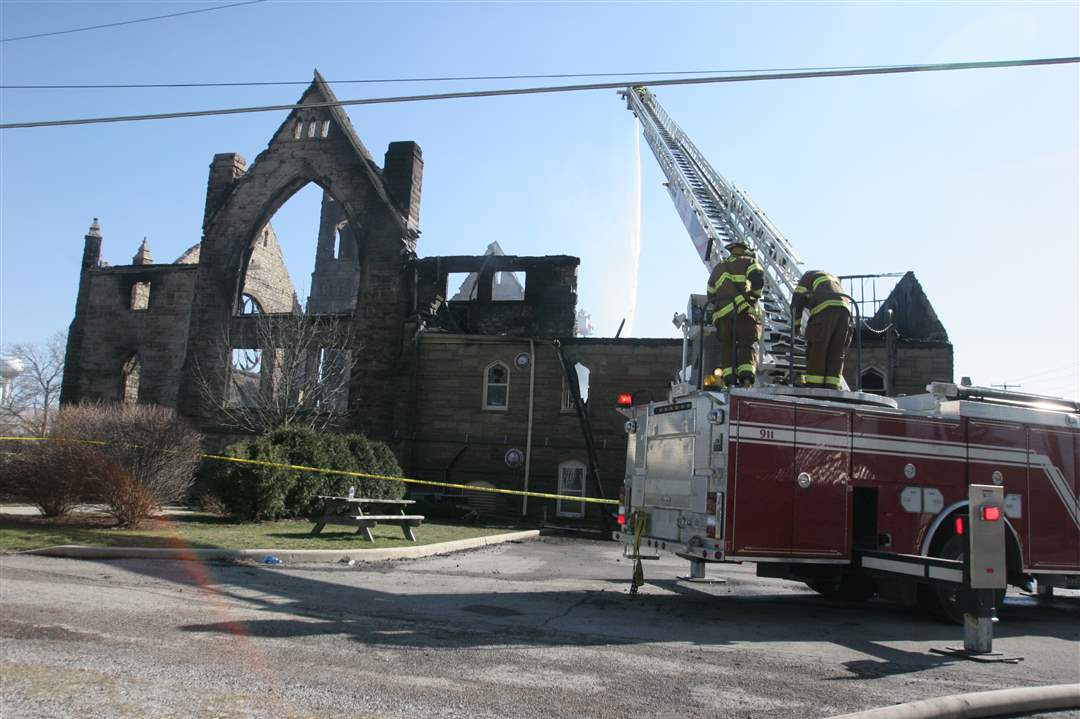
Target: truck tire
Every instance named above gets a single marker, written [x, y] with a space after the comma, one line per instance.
[946, 601]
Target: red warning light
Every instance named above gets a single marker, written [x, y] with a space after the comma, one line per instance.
[959, 525]
[991, 514]
[625, 399]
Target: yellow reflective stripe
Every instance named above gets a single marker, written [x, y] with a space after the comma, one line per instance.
[834, 381]
[748, 367]
[739, 303]
[754, 266]
[724, 278]
[827, 304]
[823, 278]
[815, 378]
[800, 290]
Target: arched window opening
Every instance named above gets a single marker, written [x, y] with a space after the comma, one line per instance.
[130, 375]
[249, 305]
[873, 381]
[582, 373]
[572, 483]
[496, 387]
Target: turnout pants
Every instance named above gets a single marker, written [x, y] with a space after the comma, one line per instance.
[741, 338]
[827, 338]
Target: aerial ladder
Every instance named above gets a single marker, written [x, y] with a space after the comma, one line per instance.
[715, 212]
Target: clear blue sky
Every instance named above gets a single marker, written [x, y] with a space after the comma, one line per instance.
[970, 178]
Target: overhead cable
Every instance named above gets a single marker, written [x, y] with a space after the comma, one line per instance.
[896, 70]
[547, 76]
[129, 22]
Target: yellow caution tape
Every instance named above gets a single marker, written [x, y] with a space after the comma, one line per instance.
[348, 473]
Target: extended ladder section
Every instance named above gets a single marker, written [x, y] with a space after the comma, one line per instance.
[715, 212]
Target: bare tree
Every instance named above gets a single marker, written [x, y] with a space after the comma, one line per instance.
[281, 370]
[34, 395]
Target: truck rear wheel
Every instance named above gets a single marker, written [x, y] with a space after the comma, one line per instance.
[946, 601]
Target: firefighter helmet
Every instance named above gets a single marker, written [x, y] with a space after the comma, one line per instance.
[741, 242]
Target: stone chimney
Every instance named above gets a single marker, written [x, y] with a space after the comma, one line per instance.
[404, 172]
[92, 246]
[142, 257]
[225, 170]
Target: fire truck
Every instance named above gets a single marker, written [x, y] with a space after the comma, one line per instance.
[853, 493]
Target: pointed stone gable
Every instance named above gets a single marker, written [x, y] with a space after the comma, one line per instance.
[913, 315]
[327, 121]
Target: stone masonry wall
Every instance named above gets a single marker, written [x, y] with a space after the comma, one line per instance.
[450, 414]
[111, 332]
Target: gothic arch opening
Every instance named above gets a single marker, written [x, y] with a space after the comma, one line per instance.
[304, 258]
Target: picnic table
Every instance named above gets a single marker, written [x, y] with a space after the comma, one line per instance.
[365, 512]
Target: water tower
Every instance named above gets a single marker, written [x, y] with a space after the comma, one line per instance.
[10, 368]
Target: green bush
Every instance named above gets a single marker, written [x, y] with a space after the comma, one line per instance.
[258, 492]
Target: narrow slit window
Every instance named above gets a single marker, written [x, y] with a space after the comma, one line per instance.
[245, 377]
[496, 386]
[311, 129]
[582, 373]
[140, 296]
[333, 388]
[129, 380]
[324, 130]
[298, 131]
[338, 240]
[571, 483]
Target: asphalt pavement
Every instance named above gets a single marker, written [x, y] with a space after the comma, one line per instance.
[534, 629]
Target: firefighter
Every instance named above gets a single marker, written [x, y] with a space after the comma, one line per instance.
[828, 331]
[734, 290]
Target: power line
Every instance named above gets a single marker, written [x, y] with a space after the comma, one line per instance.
[896, 70]
[129, 22]
[548, 76]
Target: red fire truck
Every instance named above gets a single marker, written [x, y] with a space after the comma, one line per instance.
[850, 492]
[842, 489]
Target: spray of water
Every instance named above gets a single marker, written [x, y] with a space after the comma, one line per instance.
[633, 239]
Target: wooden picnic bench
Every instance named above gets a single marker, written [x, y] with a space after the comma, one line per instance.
[364, 513]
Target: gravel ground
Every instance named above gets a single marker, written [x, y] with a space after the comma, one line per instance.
[536, 629]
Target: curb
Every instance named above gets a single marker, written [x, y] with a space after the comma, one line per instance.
[999, 702]
[79, 551]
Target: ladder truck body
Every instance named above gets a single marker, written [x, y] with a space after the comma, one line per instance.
[852, 493]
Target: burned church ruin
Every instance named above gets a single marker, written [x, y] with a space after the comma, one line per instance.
[467, 365]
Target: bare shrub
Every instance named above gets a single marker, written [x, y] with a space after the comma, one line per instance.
[53, 476]
[127, 501]
[153, 445]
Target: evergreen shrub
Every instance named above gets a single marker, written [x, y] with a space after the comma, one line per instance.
[256, 492]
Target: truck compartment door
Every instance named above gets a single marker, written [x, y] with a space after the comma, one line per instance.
[822, 475]
[761, 477]
[1052, 499]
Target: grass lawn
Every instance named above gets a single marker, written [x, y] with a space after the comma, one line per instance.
[18, 533]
